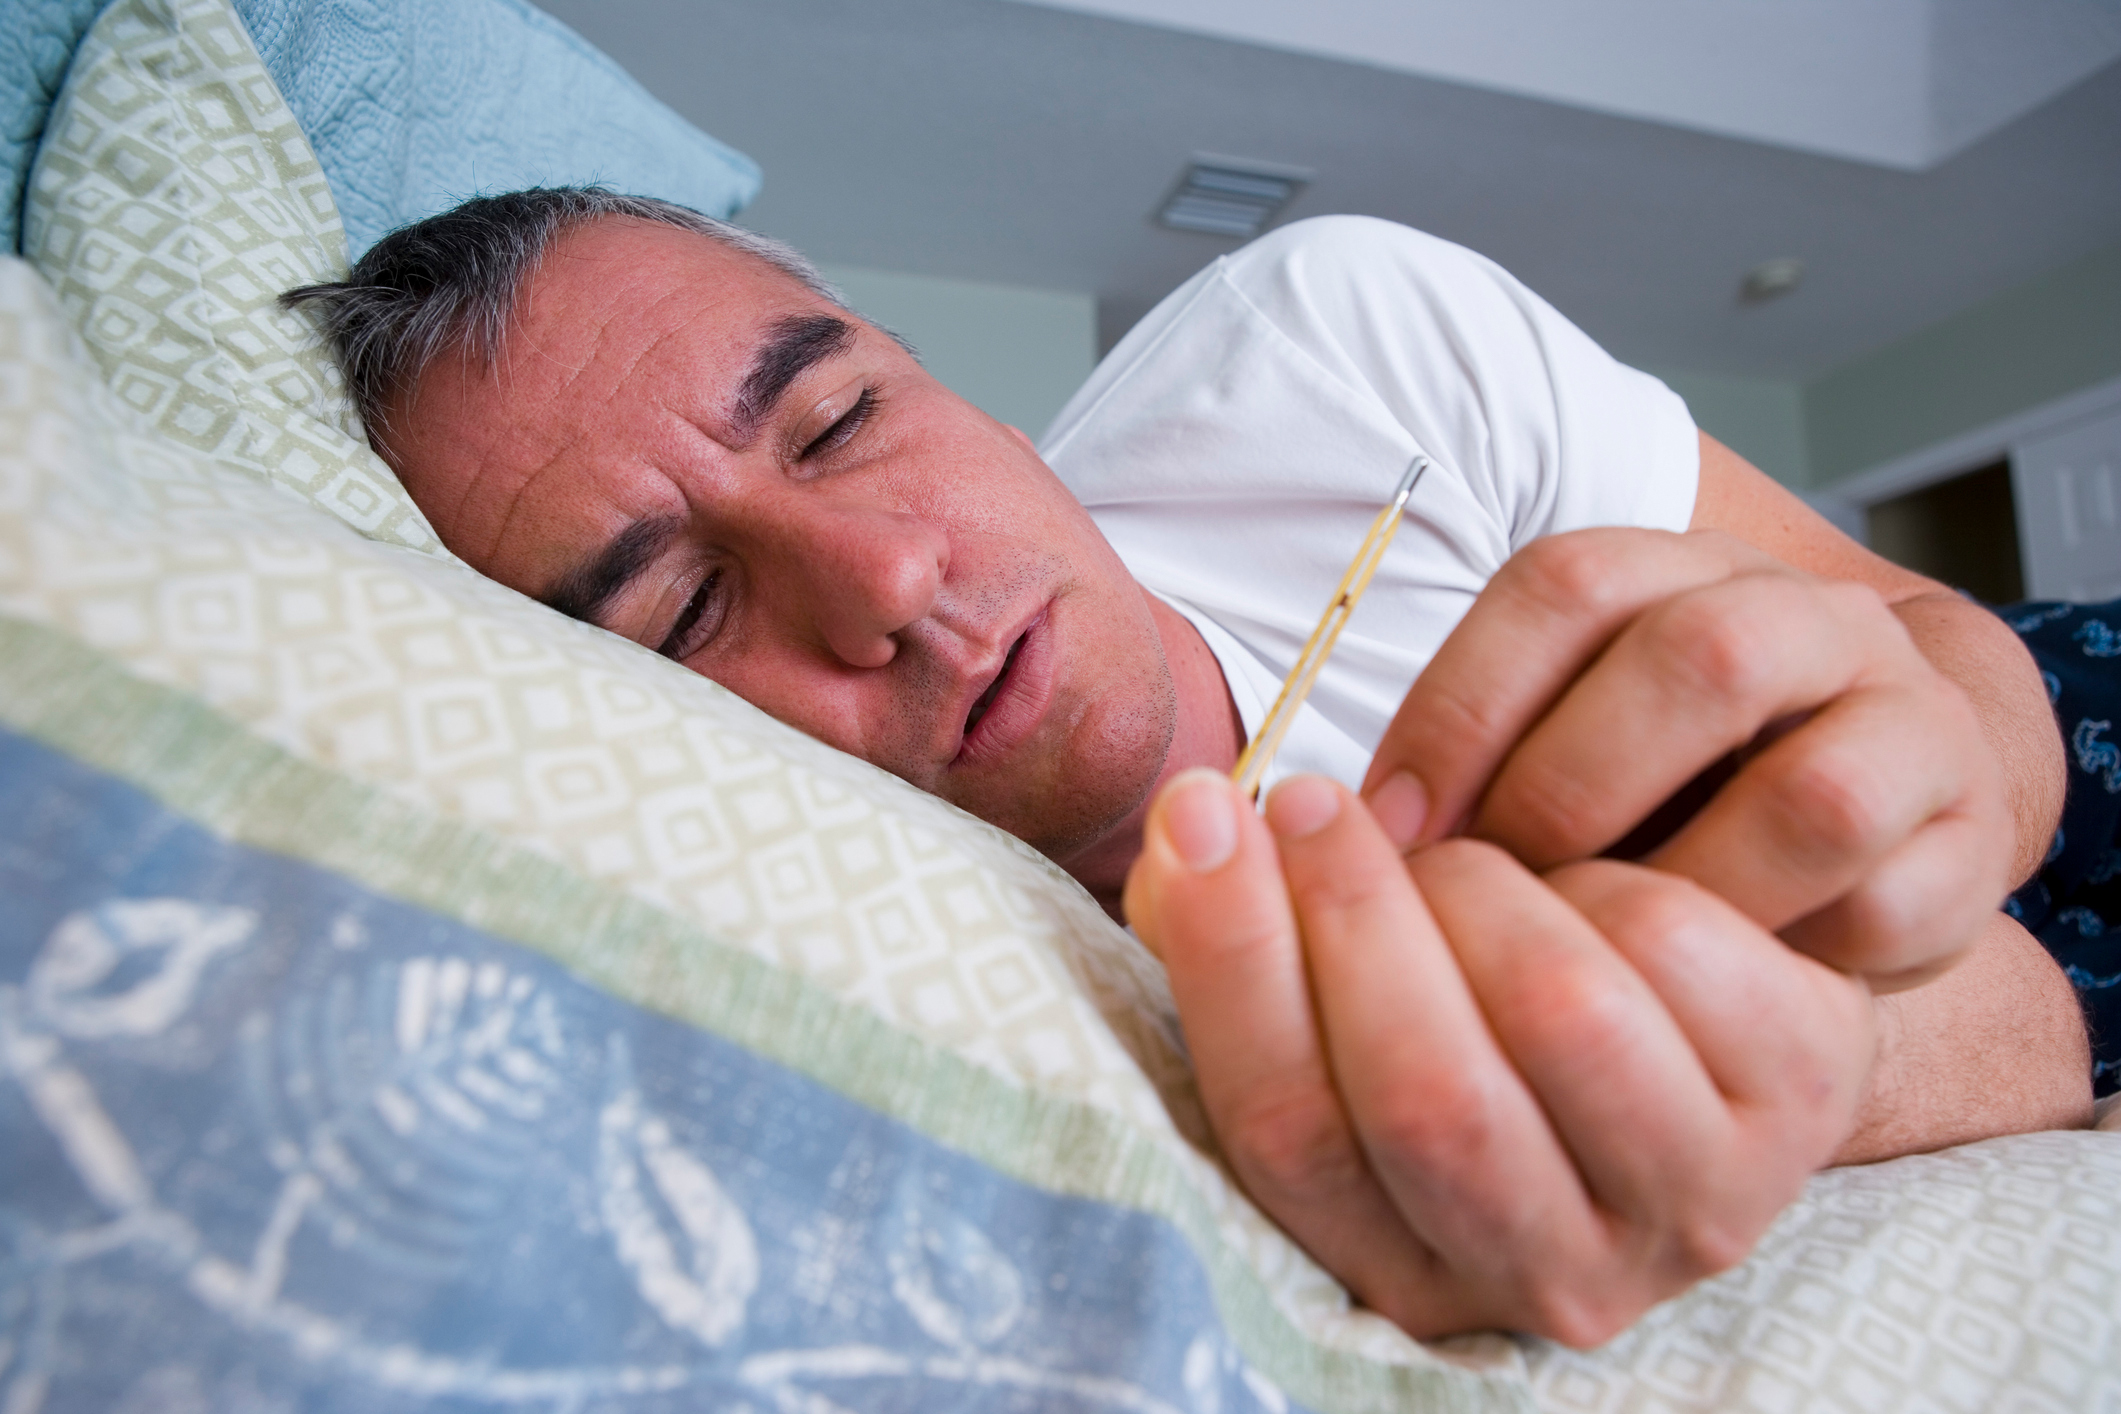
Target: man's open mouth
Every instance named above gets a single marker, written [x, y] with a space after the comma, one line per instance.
[994, 689]
[1009, 709]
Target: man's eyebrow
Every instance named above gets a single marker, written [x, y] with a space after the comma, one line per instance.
[587, 590]
[795, 344]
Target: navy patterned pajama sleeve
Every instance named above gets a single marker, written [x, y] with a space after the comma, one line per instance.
[2073, 905]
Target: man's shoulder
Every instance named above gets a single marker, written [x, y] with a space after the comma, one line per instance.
[1322, 252]
[1343, 236]
[1307, 289]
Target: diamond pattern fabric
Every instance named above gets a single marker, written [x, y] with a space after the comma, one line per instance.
[173, 197]
[1983, 1278]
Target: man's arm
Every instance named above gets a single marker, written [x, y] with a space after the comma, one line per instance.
[1997, 1044]
[1863, 814]
[1994, 1046]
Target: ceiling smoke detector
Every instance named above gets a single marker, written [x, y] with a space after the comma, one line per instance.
[1771, 279]
[1230, 196]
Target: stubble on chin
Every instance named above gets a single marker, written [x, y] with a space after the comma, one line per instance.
[1114, 758]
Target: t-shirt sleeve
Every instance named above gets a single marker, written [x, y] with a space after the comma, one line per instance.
[1542, 425]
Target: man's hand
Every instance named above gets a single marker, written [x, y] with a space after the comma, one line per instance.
[1480, 1097]
[1602, 671]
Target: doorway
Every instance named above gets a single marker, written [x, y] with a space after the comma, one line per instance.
[1962, 531]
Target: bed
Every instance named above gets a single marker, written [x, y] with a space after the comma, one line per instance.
[411, 999]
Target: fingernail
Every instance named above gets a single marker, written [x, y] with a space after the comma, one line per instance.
[1302, 805]
[1200, 819]
[1401, 806]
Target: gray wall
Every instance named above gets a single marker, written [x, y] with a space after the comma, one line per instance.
[1760, 420]
[2027, 346]
[2041, 341]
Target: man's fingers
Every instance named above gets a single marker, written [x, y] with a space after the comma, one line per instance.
[1618, 669]
[1688, 681]
[1772, 1028]
[1590, 1037]
[1544, 616]
[1917, 911]
[1446, 1123]
[1207, 896]
[1815, 816]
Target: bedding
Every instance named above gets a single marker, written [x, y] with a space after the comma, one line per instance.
[411, 106]
[36, 45]
[411, 999]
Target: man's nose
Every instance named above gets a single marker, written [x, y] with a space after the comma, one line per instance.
[871, 573]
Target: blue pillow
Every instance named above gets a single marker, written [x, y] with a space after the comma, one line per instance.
[413, 105]
[37, 42]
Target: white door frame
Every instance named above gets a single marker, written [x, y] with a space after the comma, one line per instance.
[1941, 461]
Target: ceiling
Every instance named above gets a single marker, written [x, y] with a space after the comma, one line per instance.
[1027, 144]
[1905, 83]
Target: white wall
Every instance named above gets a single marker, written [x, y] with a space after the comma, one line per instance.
[1017, 354]
[1761, 420]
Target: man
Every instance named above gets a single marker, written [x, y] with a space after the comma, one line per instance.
[1487, 1077]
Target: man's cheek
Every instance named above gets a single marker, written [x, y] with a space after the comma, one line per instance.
[883, 733]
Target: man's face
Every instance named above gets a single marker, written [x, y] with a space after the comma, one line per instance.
[681, 444]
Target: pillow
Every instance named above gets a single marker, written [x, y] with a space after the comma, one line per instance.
[172, 199]
[35, 49]
[1986, 1277]
[413, 105]
[411, 996]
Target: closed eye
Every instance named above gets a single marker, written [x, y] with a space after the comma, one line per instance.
[843, 430]
[679, 644]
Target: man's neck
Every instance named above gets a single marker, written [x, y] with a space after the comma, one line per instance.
[1207, 732]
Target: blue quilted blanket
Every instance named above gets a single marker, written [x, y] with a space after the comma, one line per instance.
[413, 105]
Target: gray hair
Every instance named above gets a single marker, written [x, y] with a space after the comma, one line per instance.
[451, 281]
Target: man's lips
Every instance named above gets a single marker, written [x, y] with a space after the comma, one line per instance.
[1011, 703]
[994, 689]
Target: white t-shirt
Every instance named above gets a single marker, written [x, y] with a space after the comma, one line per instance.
[1236, 445]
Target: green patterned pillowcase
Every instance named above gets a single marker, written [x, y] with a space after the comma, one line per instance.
[172, 199]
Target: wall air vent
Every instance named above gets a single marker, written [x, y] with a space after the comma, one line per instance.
[1230, 196]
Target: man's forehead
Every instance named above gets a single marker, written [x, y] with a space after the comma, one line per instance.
[630, 338]
[625, 326]
[635, 346]
[647, 299]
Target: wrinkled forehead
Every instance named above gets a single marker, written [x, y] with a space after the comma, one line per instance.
[619, 305]
[627, 333]
[622, 327]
